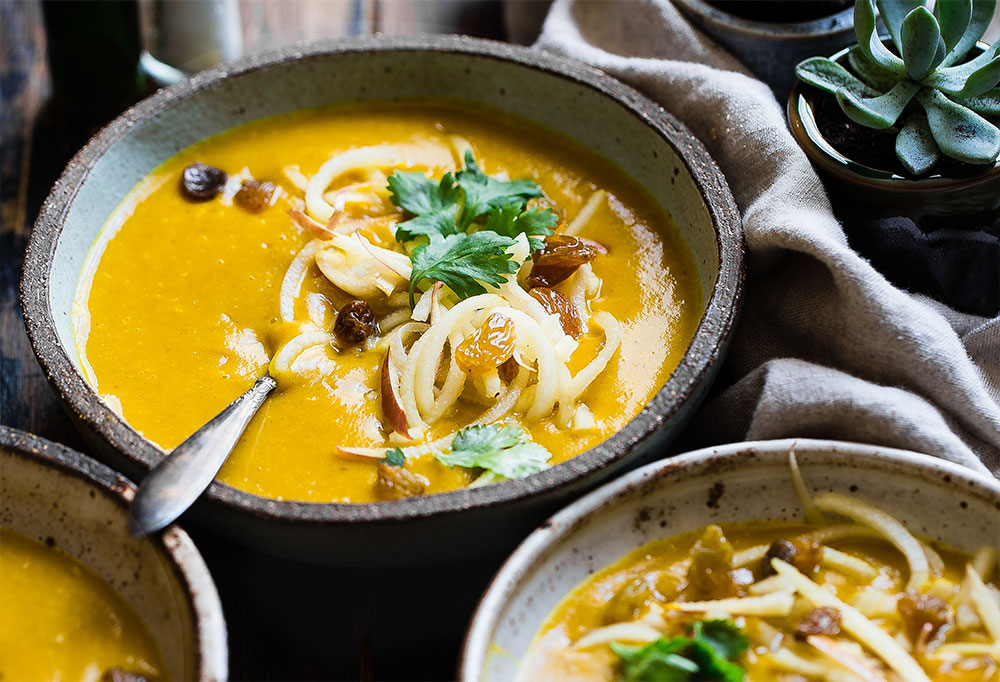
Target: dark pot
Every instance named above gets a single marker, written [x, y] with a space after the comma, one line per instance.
[770, 49]
[937, 235]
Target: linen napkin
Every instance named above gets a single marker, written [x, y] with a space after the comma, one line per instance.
[825, 347]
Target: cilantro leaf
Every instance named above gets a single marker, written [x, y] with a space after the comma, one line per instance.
[504, 450]
[712, 666]
[394, 458]
[706, 655]
[463, 262]
[658, 661]
[723, 636]
[483, 193]
[434, 205]
[510, 221]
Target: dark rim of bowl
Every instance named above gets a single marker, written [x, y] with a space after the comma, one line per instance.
[802, 121]
[703, 352]
[823, 27]
[714, 461]
[172, 542]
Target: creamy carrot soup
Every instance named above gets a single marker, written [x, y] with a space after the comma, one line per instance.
[60, 621]
[445, 295]
[848, 595]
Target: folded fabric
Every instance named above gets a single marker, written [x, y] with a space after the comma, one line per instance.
[825, 346]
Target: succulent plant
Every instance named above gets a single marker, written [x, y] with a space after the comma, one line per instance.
[940, 99]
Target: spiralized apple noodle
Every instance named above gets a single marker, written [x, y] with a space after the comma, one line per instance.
[874, 639]
[344, 215]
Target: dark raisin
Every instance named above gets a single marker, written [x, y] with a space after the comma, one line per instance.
[824, 620]
[201, 182]
[355, 323]
[254, 196]
[556, 303]
[919, 609]
[559, 258]
[395, 483]
[804, 555]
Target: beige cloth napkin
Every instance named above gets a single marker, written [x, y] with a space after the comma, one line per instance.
[825, 346]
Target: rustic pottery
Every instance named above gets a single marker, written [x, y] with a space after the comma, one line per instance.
[769, 48]
[729, 483]
[56, 495]
[581, 102]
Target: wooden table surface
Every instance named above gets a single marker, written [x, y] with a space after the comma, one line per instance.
[286, 620]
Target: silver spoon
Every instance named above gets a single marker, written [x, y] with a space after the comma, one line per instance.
[182, 476]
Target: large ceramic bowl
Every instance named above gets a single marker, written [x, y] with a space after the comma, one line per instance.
[730, 483]
[585, 104]
[56, 495]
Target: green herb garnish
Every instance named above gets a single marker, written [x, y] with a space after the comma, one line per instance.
[435, 205]
[394, 458]
[707, 654]
[483, 193]
[463, 262]
[444, 211]
[504, 450]
[512, 220]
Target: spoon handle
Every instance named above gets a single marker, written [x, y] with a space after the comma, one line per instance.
[176, 482]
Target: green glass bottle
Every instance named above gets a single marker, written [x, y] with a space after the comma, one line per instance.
[93, 52]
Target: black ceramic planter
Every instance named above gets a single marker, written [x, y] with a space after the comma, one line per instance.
[938, 234]
[770, 49]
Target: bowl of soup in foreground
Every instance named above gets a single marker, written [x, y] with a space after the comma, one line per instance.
[484, 278]
[80, 596]
[707, 567]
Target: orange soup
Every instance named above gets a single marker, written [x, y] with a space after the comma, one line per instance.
[446, 296]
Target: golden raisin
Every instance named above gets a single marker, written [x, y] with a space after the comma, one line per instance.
[395, 483]
[559, 258]
[254, 196]
[917, 609]
[823, 620]
[556, 303]
[488, 347]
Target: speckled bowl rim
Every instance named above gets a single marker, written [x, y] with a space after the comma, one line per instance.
[717, 460]
[211, 650]
[705, 349]
[843, 21]
[801, 121]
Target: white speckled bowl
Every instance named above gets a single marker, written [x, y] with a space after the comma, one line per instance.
[730, 483]
[584, 104]
[65, 499]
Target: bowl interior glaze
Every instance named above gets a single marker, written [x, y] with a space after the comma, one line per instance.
[579, 102]
[730, 483]
[53, 494]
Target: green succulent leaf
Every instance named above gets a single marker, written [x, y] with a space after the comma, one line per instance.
[878, 112]
[960, 132]
[971, 79]
[915, 145]
[832, 77]
[953, 17]
[982, 14]
[869, 41]
[870, 72]
[987, 104]
[920, 43]
[894, 13]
